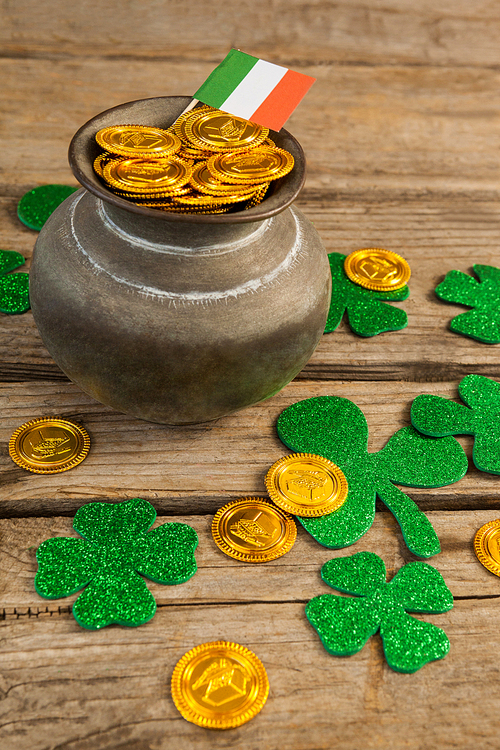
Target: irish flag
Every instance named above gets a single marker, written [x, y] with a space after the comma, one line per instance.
[254, 89]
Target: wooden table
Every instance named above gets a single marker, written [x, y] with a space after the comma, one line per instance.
[401, 136]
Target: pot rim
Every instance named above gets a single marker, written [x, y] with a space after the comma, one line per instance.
[83, 149]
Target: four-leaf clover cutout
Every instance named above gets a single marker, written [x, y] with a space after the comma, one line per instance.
[344, 624]
[366, 312]
[336, 428]
[110, 559]
[437, 416]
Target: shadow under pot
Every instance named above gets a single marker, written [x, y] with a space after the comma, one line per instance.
[177, 318]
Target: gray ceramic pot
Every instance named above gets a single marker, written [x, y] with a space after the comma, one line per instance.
[177, 318]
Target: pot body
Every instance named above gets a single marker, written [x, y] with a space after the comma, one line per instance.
[178, 322]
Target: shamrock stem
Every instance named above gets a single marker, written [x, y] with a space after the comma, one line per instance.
[418, 532]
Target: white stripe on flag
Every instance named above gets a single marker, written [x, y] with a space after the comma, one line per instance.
[253, 89]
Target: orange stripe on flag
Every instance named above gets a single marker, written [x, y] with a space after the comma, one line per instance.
[279, 105]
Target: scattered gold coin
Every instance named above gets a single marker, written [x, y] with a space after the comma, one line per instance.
[306, 485]
[377, 269]
[487, 546]
[253, 530]
[135, 141]
[219, 685]
[49, 445]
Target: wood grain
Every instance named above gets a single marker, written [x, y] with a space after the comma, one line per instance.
[199, 467]
[65, 687]
[364, 127]
[220, 579]
[446, 32]
[401, 135]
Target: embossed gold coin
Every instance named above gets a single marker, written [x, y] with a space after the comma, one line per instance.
[377, 269]
[219, 131]
[306, 485]
[219, 685]
[259, 165]
[49, 445]
[487, 546]
[253, 530]
[146, 175]
[178, 127]
[137, 141]
[203, 181]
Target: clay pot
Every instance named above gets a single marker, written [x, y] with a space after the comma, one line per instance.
[177, 318]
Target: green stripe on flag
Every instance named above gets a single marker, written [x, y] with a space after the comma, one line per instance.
[223, 80]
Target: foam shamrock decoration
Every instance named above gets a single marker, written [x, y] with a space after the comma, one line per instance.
[336, 428]
[110, 559]
[437, 416]
[14, 287]
[345, 624]
[38, 204]
[483, 322]
[366, 313]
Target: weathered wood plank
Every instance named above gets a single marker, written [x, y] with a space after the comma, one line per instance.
[197, 468]
[388, 31]
[220, 579]
[405, 128]
[401, 137]
[69, 688]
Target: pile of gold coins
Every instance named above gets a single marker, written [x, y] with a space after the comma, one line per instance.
[207, 162]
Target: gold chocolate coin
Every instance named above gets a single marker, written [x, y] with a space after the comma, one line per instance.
[49, 445]
[377, 269]
[219, 131]
[136, 141]
[203, 181]
[253, 530]
[306, 485]
[219, 685]
[146, 175]
[487, 546]
[259, 165]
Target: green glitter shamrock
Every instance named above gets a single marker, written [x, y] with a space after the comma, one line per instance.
[483, 322]
[437, 416]
[336, 428]
[366, 314]
[38, 204]
[108, 560]
[14, 287]
[344, 624]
